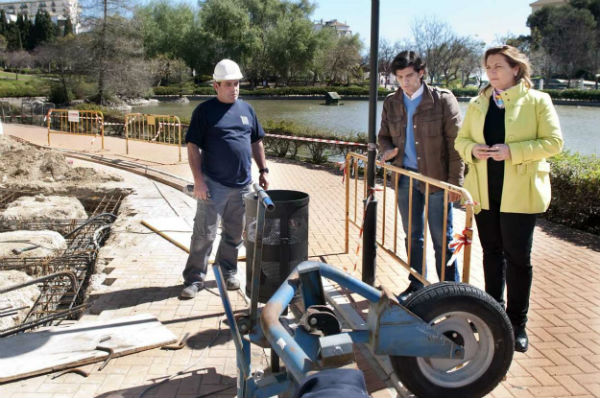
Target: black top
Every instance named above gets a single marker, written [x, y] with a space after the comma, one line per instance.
[225, 133]
[494, 133]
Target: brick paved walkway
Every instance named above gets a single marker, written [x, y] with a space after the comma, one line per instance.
[564, 327]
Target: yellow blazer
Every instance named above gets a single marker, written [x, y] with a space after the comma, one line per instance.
[532, 132]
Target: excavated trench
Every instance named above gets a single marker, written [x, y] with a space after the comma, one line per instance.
[54, 218]
[52, 284]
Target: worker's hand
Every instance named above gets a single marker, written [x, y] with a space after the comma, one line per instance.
[390, 154]
[201, 191]
[481, 151]
[262, 181]
[499, 152]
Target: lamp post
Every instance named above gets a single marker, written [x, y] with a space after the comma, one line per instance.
[370, 222]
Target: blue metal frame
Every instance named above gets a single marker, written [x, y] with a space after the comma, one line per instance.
[391, 328]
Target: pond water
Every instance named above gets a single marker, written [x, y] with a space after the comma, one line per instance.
[580, 124]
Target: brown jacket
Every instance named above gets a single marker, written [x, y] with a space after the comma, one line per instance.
[436, 122]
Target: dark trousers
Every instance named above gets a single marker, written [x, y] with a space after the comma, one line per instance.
[506, 239]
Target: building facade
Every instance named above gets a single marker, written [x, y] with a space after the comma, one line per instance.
[59, 10]
[536, 5]
[340, 28]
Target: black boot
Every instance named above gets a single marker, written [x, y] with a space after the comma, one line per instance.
[413, 287]
[521, 340]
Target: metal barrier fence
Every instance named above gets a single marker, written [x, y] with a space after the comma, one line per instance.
[158, 129]
[73, 121]
[387, 237]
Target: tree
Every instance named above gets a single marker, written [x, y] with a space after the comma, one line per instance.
[264, 15]
[342, 62]
[166, 71]
[387, 52]
[291, 45]
[593, 6]
[3, 23]
[18, 60]
[42, 31]
[68, 27]
[567, 35]
[165, 28]
[225, 24]
[449, 57]
[71, 59]
[116, 50]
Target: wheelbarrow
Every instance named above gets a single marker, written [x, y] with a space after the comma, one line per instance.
[448, 339]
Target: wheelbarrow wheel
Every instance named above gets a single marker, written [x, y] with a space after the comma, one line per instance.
[471, 318]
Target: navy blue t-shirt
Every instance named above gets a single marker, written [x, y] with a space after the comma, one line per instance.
[224, 133]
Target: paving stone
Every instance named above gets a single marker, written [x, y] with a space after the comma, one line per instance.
[564, 358]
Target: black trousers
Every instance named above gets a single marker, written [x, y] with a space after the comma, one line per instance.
[506, 239]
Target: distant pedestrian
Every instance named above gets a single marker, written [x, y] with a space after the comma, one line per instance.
[223, 137]
[509, 131]
[418, 126]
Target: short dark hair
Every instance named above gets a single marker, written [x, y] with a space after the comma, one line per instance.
[406, 59]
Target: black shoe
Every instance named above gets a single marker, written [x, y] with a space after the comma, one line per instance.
[521, 340]
[413, 287]
[190, 291]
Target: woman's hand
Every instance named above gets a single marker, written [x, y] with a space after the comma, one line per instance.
[481, 151]
[499, 152]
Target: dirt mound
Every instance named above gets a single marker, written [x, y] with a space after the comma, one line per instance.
[15, 305]
[50, 211]
[31, 243]
[23, 164]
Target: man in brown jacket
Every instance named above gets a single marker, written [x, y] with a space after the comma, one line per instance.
[419, 124]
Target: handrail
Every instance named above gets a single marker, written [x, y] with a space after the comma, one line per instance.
[76, 122]
[156, 129]
[352, 164]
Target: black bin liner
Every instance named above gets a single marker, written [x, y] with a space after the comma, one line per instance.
[285, 239]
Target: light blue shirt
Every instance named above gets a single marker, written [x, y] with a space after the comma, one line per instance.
[410, 151]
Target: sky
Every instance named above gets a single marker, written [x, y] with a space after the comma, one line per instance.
[486, 20]
[483, 19]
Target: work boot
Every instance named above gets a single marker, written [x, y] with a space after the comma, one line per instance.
[521, 340]
[190, 291]
[413, 287]
[232, 283]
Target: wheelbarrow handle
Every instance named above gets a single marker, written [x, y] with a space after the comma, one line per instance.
[263, 197]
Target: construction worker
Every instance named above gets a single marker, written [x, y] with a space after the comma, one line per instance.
[223, 137]
[419, 124]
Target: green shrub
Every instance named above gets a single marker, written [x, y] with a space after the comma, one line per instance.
[60, 95]
[24, 88]
[205, 90]
[574, 94]
[465, 92]
[315, 152]
[575, 191]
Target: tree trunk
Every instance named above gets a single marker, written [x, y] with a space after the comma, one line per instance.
[102, 58]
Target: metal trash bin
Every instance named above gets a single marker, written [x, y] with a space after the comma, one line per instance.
[285, 239]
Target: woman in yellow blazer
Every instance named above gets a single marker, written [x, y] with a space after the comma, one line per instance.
[508, 132]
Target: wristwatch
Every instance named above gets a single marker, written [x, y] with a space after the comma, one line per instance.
[265, 170]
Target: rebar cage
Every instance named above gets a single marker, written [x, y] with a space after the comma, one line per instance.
[61, 279]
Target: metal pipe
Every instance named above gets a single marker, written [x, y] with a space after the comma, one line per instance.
[296, 361]
[264, 203]
[343, 279]
[69, 274]
[369, 238]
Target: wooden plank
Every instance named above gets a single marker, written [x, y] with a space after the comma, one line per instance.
[173, 229]
[30, 354]
[178, 232]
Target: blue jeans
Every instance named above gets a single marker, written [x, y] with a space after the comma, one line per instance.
[436, 227]
[226, 204]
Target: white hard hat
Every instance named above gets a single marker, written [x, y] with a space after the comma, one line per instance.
[226, 69]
